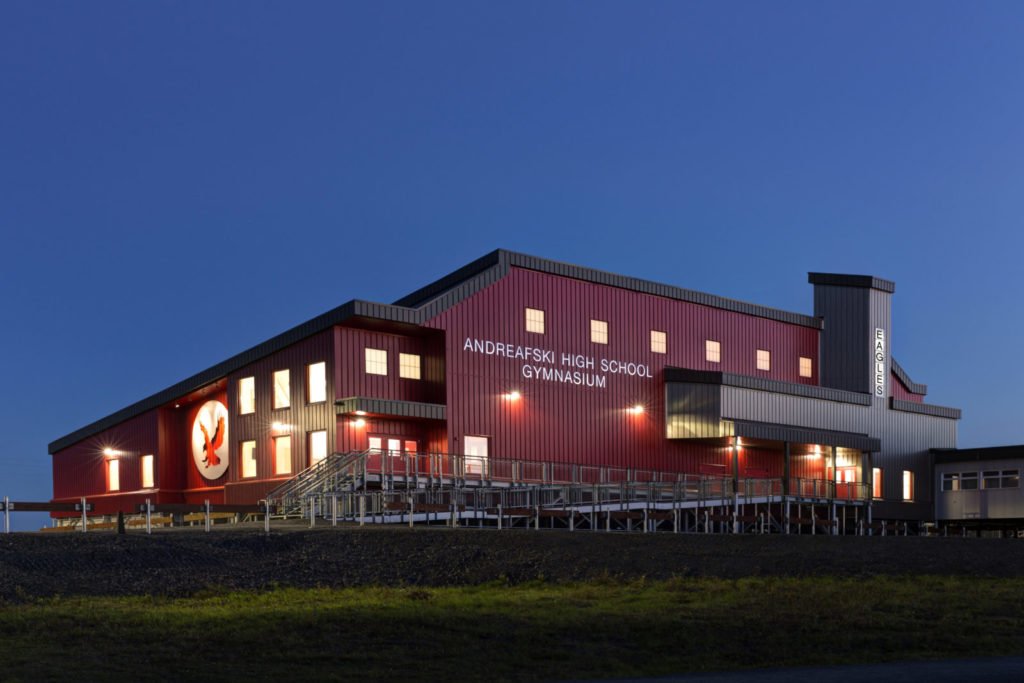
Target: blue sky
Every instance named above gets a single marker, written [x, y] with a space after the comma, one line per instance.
[182, 180]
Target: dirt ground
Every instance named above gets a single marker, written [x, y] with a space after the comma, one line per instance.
[182, 562]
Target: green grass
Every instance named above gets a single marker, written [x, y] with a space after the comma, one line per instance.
[495, 632]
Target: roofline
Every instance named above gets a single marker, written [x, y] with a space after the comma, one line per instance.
[945, 456]
[840, 280]
[422, 305]
[912, 386]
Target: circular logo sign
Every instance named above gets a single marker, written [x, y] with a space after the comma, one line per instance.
[210, 440]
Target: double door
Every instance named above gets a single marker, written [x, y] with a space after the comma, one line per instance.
[392, 454]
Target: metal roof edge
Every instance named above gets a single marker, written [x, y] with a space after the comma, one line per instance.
[841, 280]
[912, 386]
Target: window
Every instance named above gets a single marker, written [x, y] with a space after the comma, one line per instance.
[951, 481]
[908, 485]
[248, 459]
[659, 342]
[113, 475]
[764, 360]
[282, 455]
[282, 389]
[316, 382]
[876, 483]
[409, 365]
[246, 395]
[598, 331]
[317, 447]
[147, 471]
[713, 351]
[990, 479]
[969, 481]
[535, 320]
[1011, 479]
[806, 367]
[376, 362]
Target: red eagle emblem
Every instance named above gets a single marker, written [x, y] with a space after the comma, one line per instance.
[211, 445]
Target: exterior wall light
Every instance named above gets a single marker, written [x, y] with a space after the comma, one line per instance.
[636, 410]
[513, 396]
[110, 452]
[358, 423]
[360, 412]
[280, 427]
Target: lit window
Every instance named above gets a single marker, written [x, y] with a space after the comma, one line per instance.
[764, 360]
[1011, 479]
[969, 481]
[990, 479]
[317, 447]
[713, 351]
[248, 459]
[282, 455]
[659, 342]
[806, 367]
[535, 320]
[282, 389]
[113, 475]
[599, 331]
[951, 481]
[247, 395]
[376, 362]
[876, 483]
[147, 471]
[409, 365]
[908, 485]
[316, 379]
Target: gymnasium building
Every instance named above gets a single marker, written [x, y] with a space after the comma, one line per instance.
[517, 371]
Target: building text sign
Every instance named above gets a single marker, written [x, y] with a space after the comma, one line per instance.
[879, 362]
[565, 368]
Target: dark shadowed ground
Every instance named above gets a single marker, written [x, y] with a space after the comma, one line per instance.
[181, 562]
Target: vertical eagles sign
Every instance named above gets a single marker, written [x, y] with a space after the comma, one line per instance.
[879, 362]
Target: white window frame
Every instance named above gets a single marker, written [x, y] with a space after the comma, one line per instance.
[712, 351]
[877, 483]
[147, 473]
[282, 380]
[598, 331]
[114, 475]
[659, 341]
[908, 486]
[246, 395]
[248, 460]
[764, 360]
[806, 367]
[535, 320]
[316, 386]
[409, 365]
[376, 361]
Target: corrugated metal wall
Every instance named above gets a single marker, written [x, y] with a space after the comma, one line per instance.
[351, 378]
[567, 423]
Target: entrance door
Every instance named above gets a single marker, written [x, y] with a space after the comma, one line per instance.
[399, 453]
[846, 479]
[475, 449]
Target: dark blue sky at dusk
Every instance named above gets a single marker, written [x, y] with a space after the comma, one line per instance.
[182, 180]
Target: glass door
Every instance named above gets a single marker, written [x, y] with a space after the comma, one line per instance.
[475, 450]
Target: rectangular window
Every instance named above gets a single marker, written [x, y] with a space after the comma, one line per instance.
[598, 332]
[317, 447]
[147, 471]
[376, 362]
[282, 389]
[990, 479]
[908, 485]
[409, 365]
[113, 475]
[969, 481]
[950, 481]
[535, 320]
[1011, 479]
[316, 382]
[712, 351]
[806, 367]
[247, 395]
[764, 360]
[248, 459]
[282, 455]
[876, 483]
[659, 342]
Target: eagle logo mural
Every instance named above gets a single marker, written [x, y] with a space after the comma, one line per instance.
[210, 440]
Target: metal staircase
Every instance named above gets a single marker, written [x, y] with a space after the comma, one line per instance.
[336, 473]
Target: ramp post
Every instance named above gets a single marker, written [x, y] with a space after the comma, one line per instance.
[334, 510]
[149, 516]
[266, 516]
[206, 513]
[362, 510]
[7, 515]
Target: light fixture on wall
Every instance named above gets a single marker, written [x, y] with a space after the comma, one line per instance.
[358, 423]
[512, 396]
[280, 427]
[637, 409]
[111, 452]
[360, 412]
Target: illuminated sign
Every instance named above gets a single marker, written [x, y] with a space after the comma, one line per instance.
[879, 365]
[564, 368]
[210, 445]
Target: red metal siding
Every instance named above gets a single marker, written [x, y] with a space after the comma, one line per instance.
[351, 378]
[900, 392]
[566, 423]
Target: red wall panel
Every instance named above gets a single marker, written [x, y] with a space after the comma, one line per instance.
[351, 378]
[900, 392]
[81, 469]
[562, 422]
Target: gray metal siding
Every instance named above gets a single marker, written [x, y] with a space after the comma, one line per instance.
[845, 352]
[378, 406]
[980, 503]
